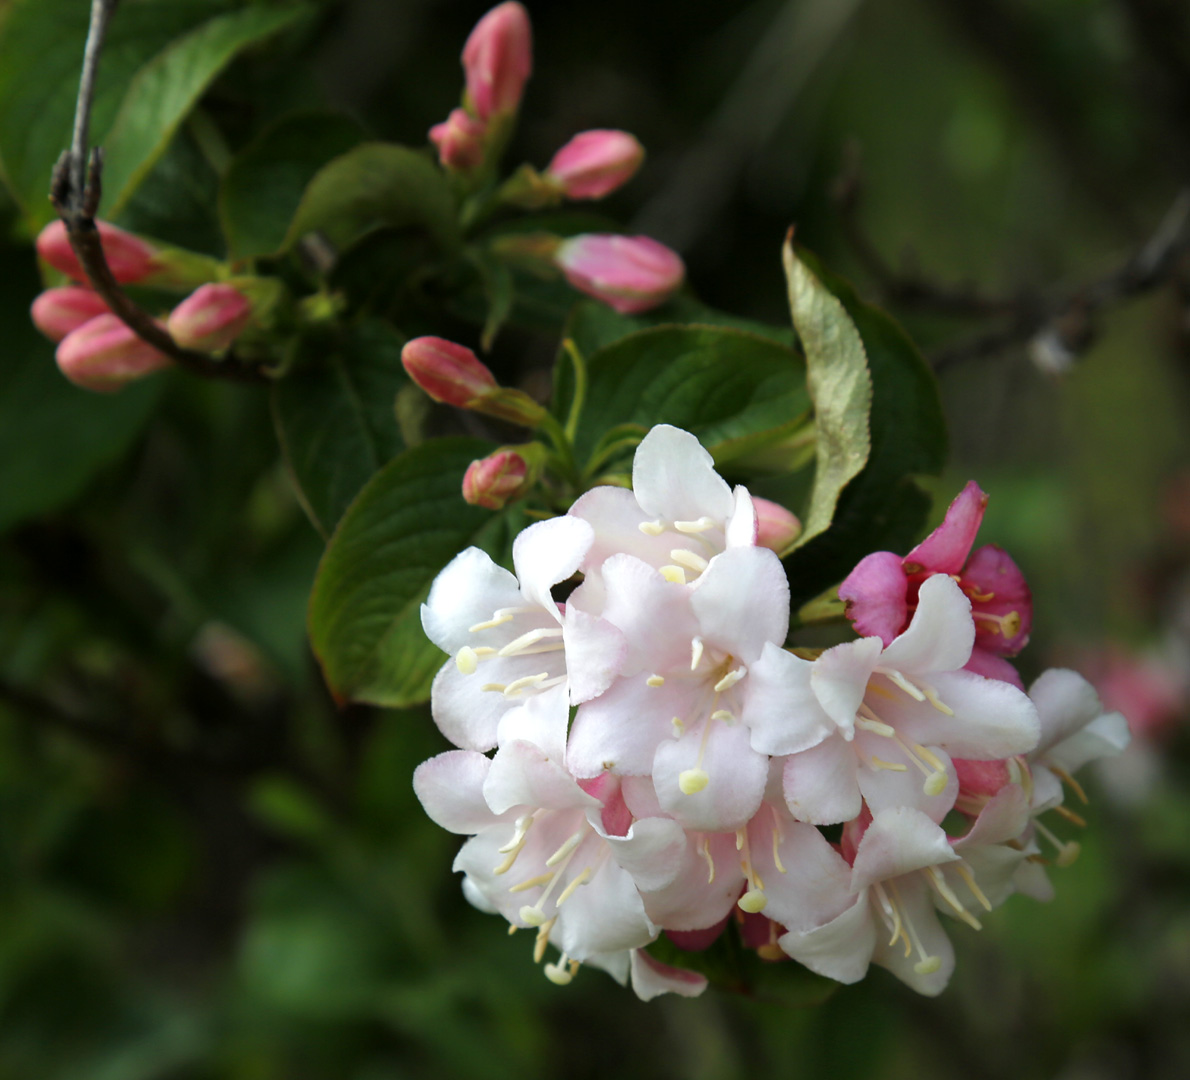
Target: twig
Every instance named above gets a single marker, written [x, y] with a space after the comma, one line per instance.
[75, 191]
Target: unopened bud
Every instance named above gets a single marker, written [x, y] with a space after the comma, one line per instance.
[460, 141]
[210, 318]
[629, 273]
[57, 312]
[776, 527]
[594, 163]
[454, 375]
[493, 481]
[497, 60]
[104, 354]
[129, 258]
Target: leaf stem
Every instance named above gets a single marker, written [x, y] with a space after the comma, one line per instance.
[580, 388]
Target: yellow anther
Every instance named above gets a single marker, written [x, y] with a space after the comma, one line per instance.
[933, 698]
[928, 965]
[1072, 783]
[776, 854]
[741, 838]
[695, 652]
[512, 928]
[876, 727]
[934, 875]
[674, 574]
[534, 916]
[935, 783]
[723, 714]
[523, 683]
[976, 891]
[688, 559]
[496, 687]
[655, 680]
[679, 726]
[525, 642]
[902, 682]
[701, 525]
[532, 883]
[979, 597]
[705, 850]
[1071, 816]
[692, 781]
[498, 620]
[568, 892]
[730, 679]
[651, 528]
[543, 939]
[466, 660]
[566, 847]
[753, 901]
[770, 950]
[891, 766]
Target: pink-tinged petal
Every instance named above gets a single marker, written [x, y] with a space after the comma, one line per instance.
[450, 788]
[941, 634]
[523, 775]
[1004, 818]
[899, 841]
[815, 885]
[674, 478]
[651, 978]
[945, 550]
[655, 615]
[616, 518]
[614, 964]
[465, 714]
[540, 719]
[820, 784]
[1066, 703]
[916, 899]
[694, 901]
[1032, 881]
[780, 708]
[1105, 736]
[652, 852]
[742, 602]
[595, 653]
[736, 777]
[982, 777]
[605, 915]
[475, 897]
[468, 591]
[743, 527]
[884, 788]
[547, 553]
[994, 867]
[621, 729]
[992, 720]
[875, 595]
[991, 573]
[840, 949]
[991, 666]
[640, 796]
[839, 679]
[1047, 790]
[776, 527]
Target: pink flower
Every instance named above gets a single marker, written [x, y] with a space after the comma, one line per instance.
[104, 354]
[460, 140]
[594, 163]
[498, 59]
[210, 318]
[129, 257]
[881, 592]
[629, 273]
[57, 312]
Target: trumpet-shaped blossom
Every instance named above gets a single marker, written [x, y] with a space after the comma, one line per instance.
[881, 592]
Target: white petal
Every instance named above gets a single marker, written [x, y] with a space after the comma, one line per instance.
[1047, 789]
[840, 678]
[885, 788]
[595, 653]
[1105, 736]
[994, 868]
[654, 614]
[898, 841]
[941, 634]
[780, 708]
[815, 886]
[674, 478]
[840, 949]
[741, 526]
[468, 590]
[1004, 818]
[605, 915]
[651, 978]
[616, 518]
[917, 906]
[614, 963]
[450, 788]
[547, 553]
[540, 719]
[742, 601]
[1065, 702]
[467, 715]
[820, 784]
[621, 729]
[694, 900]
[651, 853]
[522, 775]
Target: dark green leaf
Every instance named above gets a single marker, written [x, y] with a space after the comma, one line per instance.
[336, 417]
[408, 523]
[377, 184]
[264, 184]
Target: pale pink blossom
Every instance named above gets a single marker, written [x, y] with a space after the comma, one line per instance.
[628, 273]
[595, 163]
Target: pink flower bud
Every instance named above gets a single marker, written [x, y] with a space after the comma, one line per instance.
[497, 59]
[776, 527]
[594, 163]
[210, 318]
[129, 257]
[104, 354]
[449, 373]
[492, 481]
[459, 139]
[629, 273]
[56, 312]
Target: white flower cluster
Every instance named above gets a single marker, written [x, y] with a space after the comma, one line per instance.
[662, 762]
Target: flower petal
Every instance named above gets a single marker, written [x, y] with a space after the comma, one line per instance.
[595, 653]
[840, 949]
[820, 784]
[1066, 703]
[605, 915]
[655, 615]
[898, 841]
[941, 634]
[450, 788]
[549, 552]
[674, 478]
[699, 896]
[876, 596]
[742, 526]
[917, 907]
[523, 775]
[883, 788]
[652, 852]
[780, 708]
[815, 885]
[651, 978]
[622, 728]
[469, 589]
[945, 550]
[1105, 736]
[993, 573]
[736, 777]
[616, 518]
[840, 677]
[742, 601]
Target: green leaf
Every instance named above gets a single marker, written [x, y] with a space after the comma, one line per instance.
[53, 436]
[882, 508]
[377, 184]
[734, 390]
[263, 186]
[839, 384]
[406, 525]
[336, 417]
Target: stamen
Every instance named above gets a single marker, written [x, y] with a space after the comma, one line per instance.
[466, 660]
[689, 560]
[1067, 853]
[876, 727]
[902, 682]
[692, 781]
[499, 618]
[513, 848]
[543, 939]
[753, 901]
[933, 698]
[496, 687]
[1071, 816]
[927, 965]
[533, 915]
[1007, 625]
[566, 847]
[892, 915]
[877, 763]
[740, 837]
[776, 854]
[701, 525]
[512, 928]
[730, 679]
[725, 715]
[704, 849]
[523, 683]
[559, 974]
[651, 528]
[674, 574]
[531, 883]
[979, 597]
[523, 643]
[963, 872]
[655, 680]
[1072, 783]
[770, 950]
[568, 892]
[935, 878]
[679, 726]
[695, 653]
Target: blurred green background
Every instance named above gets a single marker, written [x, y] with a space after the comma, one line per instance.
[206, 870]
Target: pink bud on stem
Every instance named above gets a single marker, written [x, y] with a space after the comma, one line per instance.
[629, 273]
[776, 527]
[129, 257]
[57, 312]
[210, 318]
[497, 60]
[104, 354]
[493, 481]
[594, 163]
[460, 141]
[454, 375]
